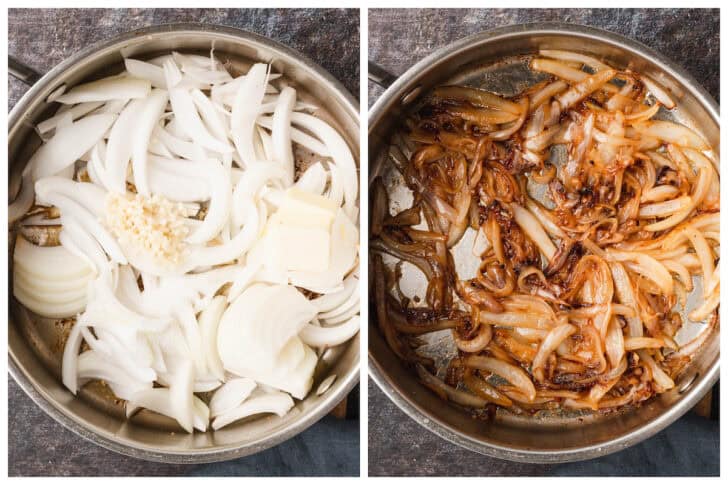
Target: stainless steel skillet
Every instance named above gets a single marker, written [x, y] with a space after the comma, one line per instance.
[35, 344]
[497, 60]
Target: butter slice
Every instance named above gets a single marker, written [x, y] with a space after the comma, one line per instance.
[301, 208]
[298, 248]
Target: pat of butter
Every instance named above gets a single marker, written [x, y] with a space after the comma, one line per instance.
[298, 248]
[301, 208]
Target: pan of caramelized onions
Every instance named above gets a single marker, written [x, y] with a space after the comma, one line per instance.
[544, 242]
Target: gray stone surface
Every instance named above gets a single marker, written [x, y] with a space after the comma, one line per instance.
[398, 446]
[400, 38]
[42, 38]
[39, 446]
[690, 37]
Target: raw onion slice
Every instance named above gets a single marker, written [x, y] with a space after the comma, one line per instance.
[245, 111]
[68, 144]
[329, 336]
[147, 119]
[339, 152]
[282, 151]
[276, 403]
[231, 395]
[119, 149]
[106, 89]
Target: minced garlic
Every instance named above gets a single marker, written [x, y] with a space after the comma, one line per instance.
[153, 224]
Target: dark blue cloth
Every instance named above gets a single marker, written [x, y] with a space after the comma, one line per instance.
[329, 448]
[39, 446]
[688, 447]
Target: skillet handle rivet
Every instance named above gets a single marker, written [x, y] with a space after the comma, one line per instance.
[411, 95]
[688, 383]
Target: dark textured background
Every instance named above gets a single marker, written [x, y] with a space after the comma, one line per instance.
[400, 38]
[690, 37]
[43, 38]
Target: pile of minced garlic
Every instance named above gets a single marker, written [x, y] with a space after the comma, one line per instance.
[153, 224]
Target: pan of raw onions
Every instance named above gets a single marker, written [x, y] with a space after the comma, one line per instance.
[544, 243]
[184, 243]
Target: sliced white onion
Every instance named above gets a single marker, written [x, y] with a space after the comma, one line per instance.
[282, 150]
[329, 336]
[145, 70]
[209, 320]
[107, 89]
[245, 111]
[326, 303]
[231, 395]
[533, 229]
[339, 152]
[298, 136]
[658, 92]
[75, 112]
[663, 381]
[180, 393]
[147, 118]
[672, 133]
[313, 179]
[277, 403]
[186, 113]
[119, 148]
[68, 144]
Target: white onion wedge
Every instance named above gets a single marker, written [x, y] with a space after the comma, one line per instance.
[219, 208]
[339, 152]
[76, 112]
[68, 144]
[277, 403]
[145, 70]
[245, 111]
[186, 113]
[147, 119]
[329, 336]
[119, 149]
[257, 325]
[90, 196]
[334, 300]
[160, 401]
[180, 394]
[209, 320]
[282, 151]
[107, 89]
[299, 137]
[313, 179]
[51, 263]
[658, 92]
[231, 395]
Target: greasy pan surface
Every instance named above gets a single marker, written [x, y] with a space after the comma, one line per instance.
[497, 61]
[35, 344]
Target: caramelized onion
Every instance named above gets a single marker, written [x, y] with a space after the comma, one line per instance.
[593, 218]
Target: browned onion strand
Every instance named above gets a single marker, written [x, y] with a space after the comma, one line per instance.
[577, 297]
